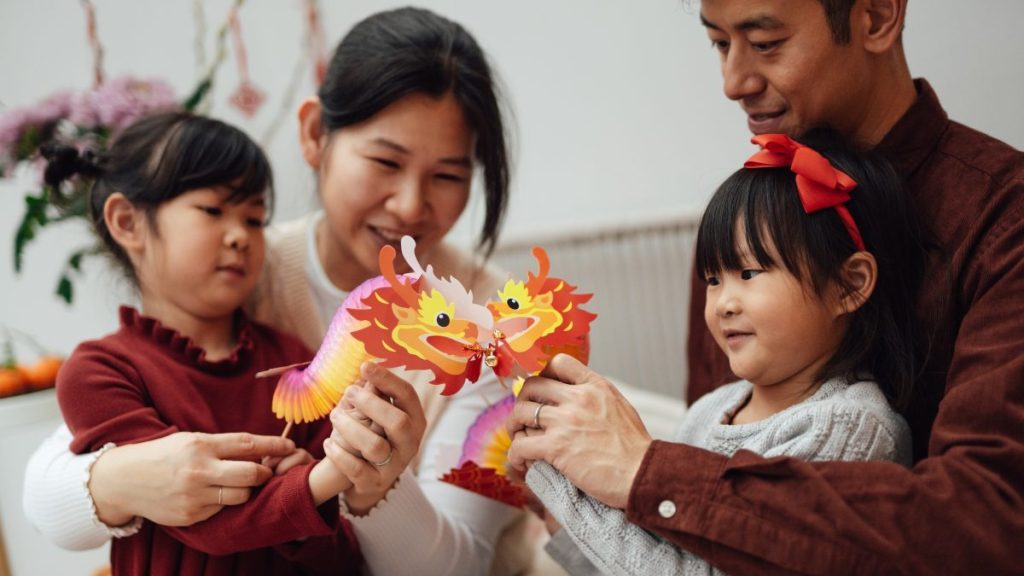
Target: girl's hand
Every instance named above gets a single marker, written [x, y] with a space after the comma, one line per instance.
[385, 455]
[297, 458]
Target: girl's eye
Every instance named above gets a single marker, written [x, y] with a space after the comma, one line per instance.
[256, 222]
[711, 280]
[749, 273]
[211, 210]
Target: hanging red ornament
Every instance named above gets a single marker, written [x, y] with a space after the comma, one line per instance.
[315, 34]
[247, 98]
[94, 42]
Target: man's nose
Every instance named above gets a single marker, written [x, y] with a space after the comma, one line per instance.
[740, 77]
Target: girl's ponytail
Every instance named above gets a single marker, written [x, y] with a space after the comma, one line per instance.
[64, 162]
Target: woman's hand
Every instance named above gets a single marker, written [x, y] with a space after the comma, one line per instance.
[183, 478]
[396, 409]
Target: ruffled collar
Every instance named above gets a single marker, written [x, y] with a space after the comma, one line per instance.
[183, 348]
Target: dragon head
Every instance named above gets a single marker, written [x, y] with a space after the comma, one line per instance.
[423, 322]
[541, 317]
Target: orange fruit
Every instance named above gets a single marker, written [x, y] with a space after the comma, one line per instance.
[12, 381]
[42, 374]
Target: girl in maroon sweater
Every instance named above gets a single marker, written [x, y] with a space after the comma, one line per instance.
[180, 202]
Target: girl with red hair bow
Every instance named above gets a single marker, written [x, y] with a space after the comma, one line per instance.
[812, 255]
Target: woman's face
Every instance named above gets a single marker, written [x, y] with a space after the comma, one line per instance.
[405, 171]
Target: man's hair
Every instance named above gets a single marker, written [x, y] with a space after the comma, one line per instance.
[837, 13]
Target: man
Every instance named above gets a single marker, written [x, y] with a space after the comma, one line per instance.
[793, 65]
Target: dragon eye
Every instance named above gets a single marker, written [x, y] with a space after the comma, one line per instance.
[513, 303]
[443, 320]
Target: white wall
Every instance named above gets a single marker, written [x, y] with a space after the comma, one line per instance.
[618, 106]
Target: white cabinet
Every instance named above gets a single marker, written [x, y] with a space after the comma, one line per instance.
[24, 422]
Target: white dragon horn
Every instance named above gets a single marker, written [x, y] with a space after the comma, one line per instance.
[452, 290]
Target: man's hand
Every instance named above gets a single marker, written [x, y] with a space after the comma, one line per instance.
[586, 429]
[183, 478]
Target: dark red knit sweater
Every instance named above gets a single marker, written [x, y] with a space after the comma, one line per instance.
[146, 381]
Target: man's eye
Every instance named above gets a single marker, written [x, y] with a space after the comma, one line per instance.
[211, 210]
[720, 45]
[763, 47]
[256, 222]
[749, 273]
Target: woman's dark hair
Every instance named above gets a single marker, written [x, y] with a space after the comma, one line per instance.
[882, 338]
[393, 54]
[156, 159]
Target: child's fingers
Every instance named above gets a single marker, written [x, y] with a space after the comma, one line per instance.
[297, 458]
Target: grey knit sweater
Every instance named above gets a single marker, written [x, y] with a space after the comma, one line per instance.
[838, 422]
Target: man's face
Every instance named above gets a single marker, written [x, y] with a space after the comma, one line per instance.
[780, 63]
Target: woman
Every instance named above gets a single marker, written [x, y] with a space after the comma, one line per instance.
[407, 111]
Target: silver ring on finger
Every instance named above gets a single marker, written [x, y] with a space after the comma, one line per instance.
[220, 496]
[384, 462]
[536, 417]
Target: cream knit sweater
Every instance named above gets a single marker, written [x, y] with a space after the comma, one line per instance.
[838, 422]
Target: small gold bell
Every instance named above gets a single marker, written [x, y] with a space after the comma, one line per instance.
[491, 360]
[499, 335]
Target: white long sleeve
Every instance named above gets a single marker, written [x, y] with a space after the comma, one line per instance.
[437, 528]
[56, 497]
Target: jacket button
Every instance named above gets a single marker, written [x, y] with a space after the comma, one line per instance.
[666, 509]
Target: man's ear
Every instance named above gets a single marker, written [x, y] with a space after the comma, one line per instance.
[125, 222]
[880, 23]
[310, 132]
[859, 275]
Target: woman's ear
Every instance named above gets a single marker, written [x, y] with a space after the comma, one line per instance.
[859, 274]
[125, 222]
[310, 132]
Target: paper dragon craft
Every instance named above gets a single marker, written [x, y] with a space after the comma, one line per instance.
[483, 465]
[419, 321]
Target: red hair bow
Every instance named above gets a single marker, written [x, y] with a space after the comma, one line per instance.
[820, 185]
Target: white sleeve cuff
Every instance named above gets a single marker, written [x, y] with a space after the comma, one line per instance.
[56, 497]
[129, 529]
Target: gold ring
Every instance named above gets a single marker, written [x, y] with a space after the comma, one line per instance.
[385, 461]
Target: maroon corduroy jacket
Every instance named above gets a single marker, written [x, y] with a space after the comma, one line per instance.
[960, 510]
[146, 381]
